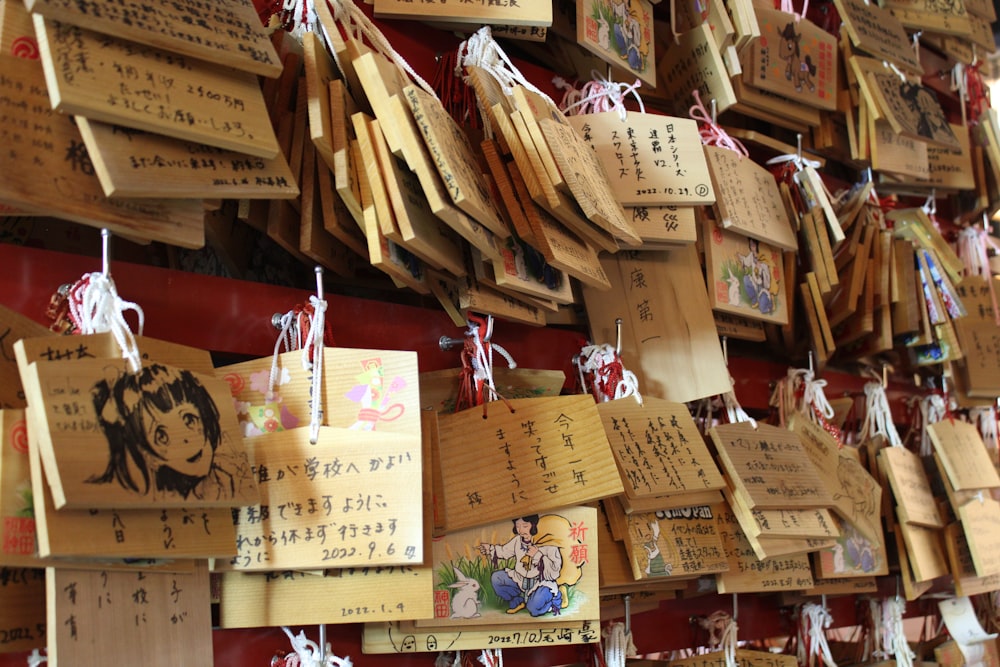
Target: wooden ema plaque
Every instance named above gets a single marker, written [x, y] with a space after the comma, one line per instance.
[737, 326]
[406, 637]
[963, 568]
[745, 276]
[794, 58]
[744, 658]
[668, 338]
[620, 34]
[981, 525]
[650, 160]
[768, 468]
[527, 14]
[682, 542]
[536, 569]
[251, 600]
[542, 454]
[17, 532]
[749, 574]
[108, 79]
[22, 609]
[963, 454]
[439, 389]
[693, 62]
[84, 411]
[47, 169]
[658, 448]
[339, 503]
[167, 617]
[947, 168]
[658, 226]
[944, 18]
[230, 34]
[132, 163]
[910, 486]
[924, 551]
[13, 327]
[897, 153]
[878, 33]
[748, 200]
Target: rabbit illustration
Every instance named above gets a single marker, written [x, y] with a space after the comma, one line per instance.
[734, 289]
[465, 602]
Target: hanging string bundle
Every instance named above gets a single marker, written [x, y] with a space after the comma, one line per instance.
[617, 645]
[312, 356]
[985, 419]
[491, 657]
[722, 634]
[712, 134]
[892, 639]
[476, 385]
[814, 619]
[878, 416]
[603, 373]
[307, 653]
[801, 391]
[932, 410]
[598, 96]
[734, 411]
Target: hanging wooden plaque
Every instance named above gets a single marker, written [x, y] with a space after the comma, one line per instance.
[897, 153]
[252, 600]
[768, 467]
[527, 14]
[320, 73]
[463, 295]
[747, 573]
[167, 617]
[963, 569]
[439, 389]
[315, 242]
[663, 225]
[981, 525]
[737, 326]
[13, 327]
[949, 18]
[17, 33]
[668, 337]
[910, 486]
[748, 199]
[535, 569]
[693, 62]
[925, 551]
[46, 169]
[680, 542]
[650, 159]
[405, 637]
[744, 658]
[877, 32]
[961, 449]
[132, 163]
[620, 33]
[794, 58]
[745, 276]
[230, 34]
[544, 453]
[108, 79]
[22, 609]
[843, 586]
[85, 438]
[658, 448]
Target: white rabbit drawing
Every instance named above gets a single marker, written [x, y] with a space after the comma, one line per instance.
[734, 289]
[465, 602]
[603, 33]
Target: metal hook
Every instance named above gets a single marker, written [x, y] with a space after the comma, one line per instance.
[714, 112]
[736, 610]
[446, 342]
[725, 350]
[319, 282]
[322, 626]
[798, 148]
[105, 255]
[812, 370]
[618, 335]
[628, 613]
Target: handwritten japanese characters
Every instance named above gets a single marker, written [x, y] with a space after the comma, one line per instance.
[963, 455]
[474, 11]
[405, 637]
[22, 609]
[546, 453]
[650, 160]
[679, 542]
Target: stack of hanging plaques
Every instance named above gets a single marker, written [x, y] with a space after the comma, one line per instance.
[165, 107]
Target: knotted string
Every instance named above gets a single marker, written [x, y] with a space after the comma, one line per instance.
[307, 653]
[36, 658]
[813, 622]
[878, 416]
[977, 92]
[734, 411]
[710, 131]
[600, 95]
[809, 397]
[95, 307]
[722, 633]
[609, 379]
[893, 635]
[617, 645]
[986, 420]
[348, 13]
[973, 247]
[932, 410]
[481, 50]
[795, 159]
[476, 384]
[959, 84]
[788, 8]
[312, 360]
[491, 657]
[445, 659]
[298, 16]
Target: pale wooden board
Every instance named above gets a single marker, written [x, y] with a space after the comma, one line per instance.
[75, 446]
[910, 487]
[17, 34]
[650, 159]
[341, 502]
[748, 199]
[337, 217]
[843, 586]
[982, 362]
[588, 181]
[948, 168]
[454, 159]
[563, 558]
[515, 14]
[777, 62]
[964, 455]
[663, 225]
[439, 389]
[465, 295]
[668, 335]
[111, 80]
[404, 637]
[980, 525]
[745, 276]
[13, 327]
[925, 551]
[230, 34]
[737, 326]
[315, 242]
[297, 598]
[681, 73]
[131, 163]
[814, 192]
[46, 170]
[877, 32]
[616, 569]
[623, 38]
[744, 658]
[927, 15]
[912, 109]
[167, 617]
[963, 568]
[682, 542]
[748, 574]
[774, 108]
[897, 153]
[658, 448]
[22, 608]
[657, 503]
[319, 77]
[768, 467]
[556, 445]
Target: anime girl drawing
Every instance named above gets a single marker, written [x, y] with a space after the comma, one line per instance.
[163, 432]
[375, 397]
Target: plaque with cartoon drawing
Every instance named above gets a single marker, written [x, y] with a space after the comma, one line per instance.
[745, 276]
[159, 437]
[794, 58]
[540, 568]
[619, 32]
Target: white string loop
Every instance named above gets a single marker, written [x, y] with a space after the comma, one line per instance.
[986, 420]
[815, 619]
[894, 634]
[617, 645]
[308, 653]
[491, 657]
[36, 658]
[878, 416]
[594, 359]
[312, 360]
[600, 95]
[710, 131]
[288, 338]
[799, 161]
[734, 410]
[481, 50]
[932, 410]
[96, 308]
